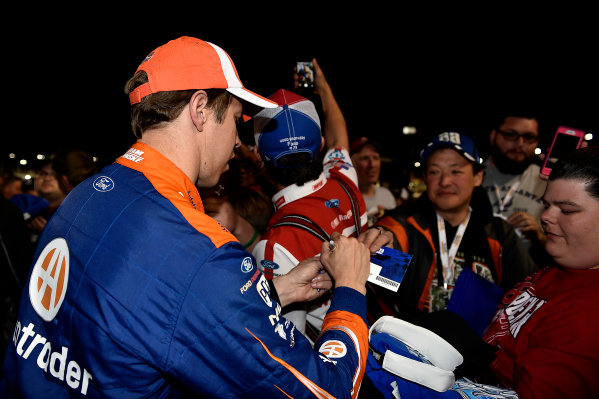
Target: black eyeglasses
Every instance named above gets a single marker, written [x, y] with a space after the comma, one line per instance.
[513, 136]
[44, 173]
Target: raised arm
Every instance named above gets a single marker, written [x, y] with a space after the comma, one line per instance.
[334, 126]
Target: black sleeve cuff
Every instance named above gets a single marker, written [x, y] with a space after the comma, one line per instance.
[273, 291]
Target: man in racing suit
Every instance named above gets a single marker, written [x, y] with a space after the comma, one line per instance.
[136, 292]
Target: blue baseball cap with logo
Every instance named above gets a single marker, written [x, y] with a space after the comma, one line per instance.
[456, 141]
[292, 127]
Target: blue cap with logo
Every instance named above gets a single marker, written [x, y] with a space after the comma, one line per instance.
[292, 127]
[456, 141]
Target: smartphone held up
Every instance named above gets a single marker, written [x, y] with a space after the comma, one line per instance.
[565, 140]
[305, 74]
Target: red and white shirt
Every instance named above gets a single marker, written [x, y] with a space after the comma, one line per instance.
[326, 203]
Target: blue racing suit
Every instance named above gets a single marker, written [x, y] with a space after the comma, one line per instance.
[136, 292]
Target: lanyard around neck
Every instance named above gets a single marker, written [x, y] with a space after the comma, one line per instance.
[448, 256]
[508, 196]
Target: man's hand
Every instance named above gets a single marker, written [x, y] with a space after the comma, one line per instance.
[321, 85]
[37, 224]
[528, 225]
[348, 262]
[305, 282]
[375, 238]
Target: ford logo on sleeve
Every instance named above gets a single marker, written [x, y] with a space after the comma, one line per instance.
[103, 184]
[247, 265]
[269, 264]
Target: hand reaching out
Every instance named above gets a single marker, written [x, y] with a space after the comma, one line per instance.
[348, 263]
[305, 282]
[528, 225]
[375, 238]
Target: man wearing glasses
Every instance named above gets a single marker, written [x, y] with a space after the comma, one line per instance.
[512, 178]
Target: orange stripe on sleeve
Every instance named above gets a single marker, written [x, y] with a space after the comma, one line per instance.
[312, 386]
[283, 392]
[424, 301]
[354, 326]
[496, 251]
[426, 233]
[397, 229]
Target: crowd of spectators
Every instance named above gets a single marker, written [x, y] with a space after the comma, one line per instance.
[484, 214]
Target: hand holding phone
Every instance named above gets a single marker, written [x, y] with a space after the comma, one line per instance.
[565, 140]
[305, 74]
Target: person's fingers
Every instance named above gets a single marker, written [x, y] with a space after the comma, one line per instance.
[524, 221]
[323, 282]
[322, 276]
[369, 236]
[375, 238]
[332, 246]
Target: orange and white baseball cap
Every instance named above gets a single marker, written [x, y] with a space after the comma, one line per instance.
[188, 63]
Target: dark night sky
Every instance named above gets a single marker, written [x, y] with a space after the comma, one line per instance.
[436, 73]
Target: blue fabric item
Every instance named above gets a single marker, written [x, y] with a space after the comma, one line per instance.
[29, 204]
[383, 342]
[475, 299]
[392, 386]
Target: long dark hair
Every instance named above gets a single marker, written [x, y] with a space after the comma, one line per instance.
[582, 165]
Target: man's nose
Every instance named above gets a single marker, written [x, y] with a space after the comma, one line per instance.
[445, 179]
[520, 140]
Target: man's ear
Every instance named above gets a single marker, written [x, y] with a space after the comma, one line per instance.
[198, 110]
[321, 142]
[492, 136]
[478, 177]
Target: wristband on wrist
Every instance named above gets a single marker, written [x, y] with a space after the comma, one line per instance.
[251, 241]
[273, 291]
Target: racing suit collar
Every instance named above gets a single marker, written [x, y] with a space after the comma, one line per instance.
[150, 162]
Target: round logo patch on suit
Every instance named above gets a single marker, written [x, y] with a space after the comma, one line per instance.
[103, 184]
[333, 349]
[247, 265]
[49, 279]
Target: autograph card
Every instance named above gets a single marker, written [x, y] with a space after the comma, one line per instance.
[388, 267]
